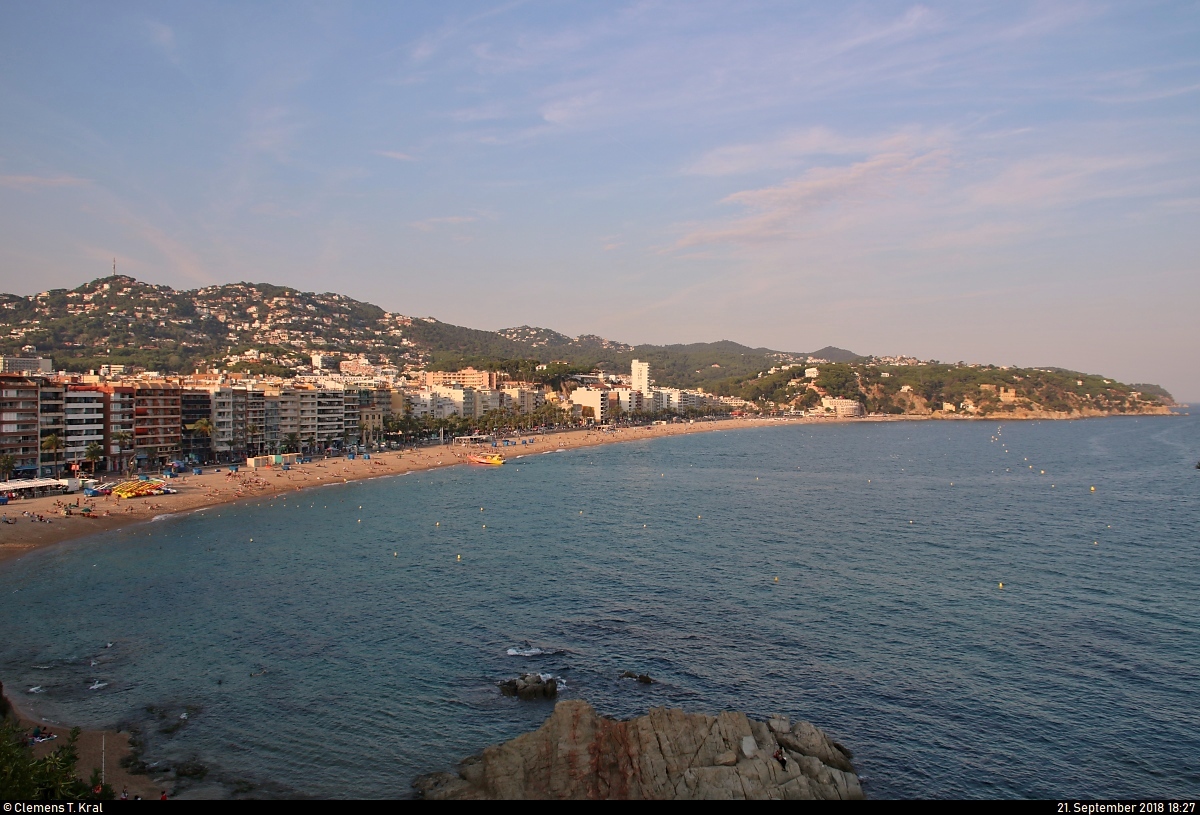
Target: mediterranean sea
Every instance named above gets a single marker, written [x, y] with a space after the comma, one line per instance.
[341, 640]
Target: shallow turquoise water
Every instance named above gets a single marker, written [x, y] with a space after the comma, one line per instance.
[886, 626]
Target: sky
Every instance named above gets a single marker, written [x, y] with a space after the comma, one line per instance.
[1008, 183]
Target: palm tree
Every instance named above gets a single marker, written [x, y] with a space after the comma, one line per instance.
[94, 453]
[251, 432]
[8, 464]
[293, 442]
[122, 438]
[52, 444]
[201, 427]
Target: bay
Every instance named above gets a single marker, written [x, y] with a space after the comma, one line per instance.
[339, 641]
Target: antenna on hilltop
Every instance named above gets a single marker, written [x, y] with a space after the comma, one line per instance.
[114, 266]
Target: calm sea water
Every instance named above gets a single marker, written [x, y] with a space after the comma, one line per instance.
[845, 574]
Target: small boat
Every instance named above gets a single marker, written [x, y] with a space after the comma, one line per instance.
[480, 458]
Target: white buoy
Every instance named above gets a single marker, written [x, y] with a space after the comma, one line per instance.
[1001, 585]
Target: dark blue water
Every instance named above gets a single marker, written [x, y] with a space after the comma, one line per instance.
[886, 626]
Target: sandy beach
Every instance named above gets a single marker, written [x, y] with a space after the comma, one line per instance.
[219, 486]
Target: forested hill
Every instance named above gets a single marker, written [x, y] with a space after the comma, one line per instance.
[120, 320]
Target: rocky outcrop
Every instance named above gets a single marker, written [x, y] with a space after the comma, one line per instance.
[643, 678]
[530, 686]
[666, 754]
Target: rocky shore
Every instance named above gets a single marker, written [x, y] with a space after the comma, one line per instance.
[666, 754]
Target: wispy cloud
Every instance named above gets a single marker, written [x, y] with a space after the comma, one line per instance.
[36, 182]
[393, 154]
[1055, 180]
[804, 146]
[162, 37]
[430, 224]
[778, 212]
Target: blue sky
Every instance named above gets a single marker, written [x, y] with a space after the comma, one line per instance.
[1016, 183]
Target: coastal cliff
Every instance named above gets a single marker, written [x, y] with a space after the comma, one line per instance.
[666, 754]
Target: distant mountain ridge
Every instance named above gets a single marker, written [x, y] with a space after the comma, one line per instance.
[121, 320]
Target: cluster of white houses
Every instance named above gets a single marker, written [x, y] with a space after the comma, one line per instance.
[111, 420]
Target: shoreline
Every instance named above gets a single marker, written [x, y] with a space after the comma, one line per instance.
[97, 749]
[217, 486]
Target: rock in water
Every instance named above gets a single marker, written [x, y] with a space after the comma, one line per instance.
[530, 686]
[666, 754]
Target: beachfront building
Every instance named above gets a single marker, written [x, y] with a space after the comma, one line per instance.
[425, 403]
[157, 422]
[630, 399]
[331, 416]
[523, 400]
[462, 401]
[315, 415]
[351, 411]
[367, 414]
[256, 421]
[195, 404]
[51, 423]
[19, 437]
[593, 400]
[843, 408]
[83, 423]
[272, 438]
[640, 377]
[118, 423]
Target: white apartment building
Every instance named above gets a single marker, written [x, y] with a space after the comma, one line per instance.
[630, 399]
[463, 400]
[594, 398]
[120, 421]
[640, 377]
[523, 400]
[424, 403]
[83, 417]
[842, 407]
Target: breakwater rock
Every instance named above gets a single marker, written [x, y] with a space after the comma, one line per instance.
[666, 754]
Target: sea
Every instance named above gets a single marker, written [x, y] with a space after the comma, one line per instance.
[976, 609]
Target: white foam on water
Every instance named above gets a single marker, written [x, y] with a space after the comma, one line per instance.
[97, 685]
[37, 689]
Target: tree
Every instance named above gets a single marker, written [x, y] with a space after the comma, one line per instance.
[52, 778]
[293, 442]
[122, 438]
[52, 444]
[7, 465]
[251, 432]
[94, 453]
